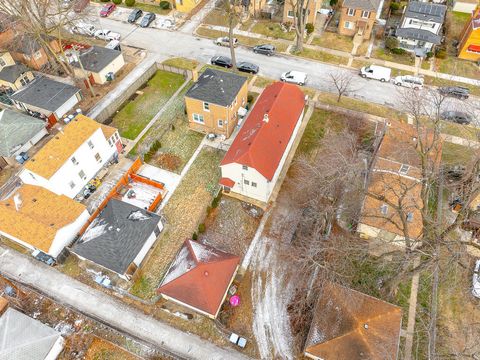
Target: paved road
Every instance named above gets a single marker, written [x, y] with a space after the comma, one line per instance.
[107, 309]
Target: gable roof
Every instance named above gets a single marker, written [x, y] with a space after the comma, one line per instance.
[116, 236]
[16, 129]
[33, 215]
[12, 73]
[369, 5]
[260, 144]
[199, 276]
[96, 58]
[350, 325]
[60, 148]
[45, 93]
[217, 87]
[419, 34]
[426, 11]
[24, 338]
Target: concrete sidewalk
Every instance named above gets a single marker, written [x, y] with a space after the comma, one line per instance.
[108, 310]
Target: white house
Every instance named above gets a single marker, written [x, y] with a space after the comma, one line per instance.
[421, 27]
[254, 161]
[38, 219]
[73, 157]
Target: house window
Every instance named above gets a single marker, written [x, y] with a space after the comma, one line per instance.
[244, 167]
[220, 123]
[404, 169]
[365, 14]
[24, 80]
[246, 182]
[384, 209]
[348, 25]
[290, 14]
[198, 118]
[98, 157]
[254, 184]
[409, 217]
[351, 12]
[74, 161]
[37, 55]
[206, 106]
[2, 62]
[72, 184]
[90, 144]
[156, 231]
[81, 174]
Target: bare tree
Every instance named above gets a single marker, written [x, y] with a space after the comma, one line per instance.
[343, 83]
[233, 12]
[300, 15]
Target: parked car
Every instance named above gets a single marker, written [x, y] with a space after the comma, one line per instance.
[409, 81]
[225, 41]
[107, 9]
[223, 61]
[376, 72]
[455, 91]
[106, 35]
[84, 29]
[147, 19]
[134, 15]
[265, 49]
[247, 67]
[295, 77]
[476, 280]
[45, 258]
[457, 117]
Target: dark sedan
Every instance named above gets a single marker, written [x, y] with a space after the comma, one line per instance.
[134, 15]
[247, 67]
[222, 61]
[265, 49]
[147, 20]
[457, 117]
[458, 92]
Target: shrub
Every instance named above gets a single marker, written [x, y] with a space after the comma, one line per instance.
[441, 54]
[394, 6]
[216, 200]
[104, 0]
[391, 43]
[165, 5]
[201, 228]
[333, 3]
[130, 3]
[194, 236]
[249, 98]
[309, 27]
[117, 2]
[398, 51]
[155, 146]
[429, 54]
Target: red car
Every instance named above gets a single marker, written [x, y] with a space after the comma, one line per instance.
[107, 9]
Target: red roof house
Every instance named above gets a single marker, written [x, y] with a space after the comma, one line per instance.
[199, 278]
[252, 164]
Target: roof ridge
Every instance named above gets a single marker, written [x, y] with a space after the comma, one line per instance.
[191, 251]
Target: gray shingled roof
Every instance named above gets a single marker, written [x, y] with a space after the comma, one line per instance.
[12, 73]
[369, 5]
[217, 87]
[16, 129]
[96, 58]
[426, 11]
[419, 34]
[45, 93]
[117, 235]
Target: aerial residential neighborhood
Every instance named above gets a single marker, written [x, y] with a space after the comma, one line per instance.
[210, 179]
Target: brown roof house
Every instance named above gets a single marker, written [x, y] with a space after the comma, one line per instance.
[27, 49]
[7, 29]
[199, 278]
[214, 101]
[358, 17]
[391, 209]
[350, 325]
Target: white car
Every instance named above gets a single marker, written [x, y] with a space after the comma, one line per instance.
[376, 72]
[476, 280]
[84, 29]
[106, 35]
[225, 41]
[295, 77]
[409, 81]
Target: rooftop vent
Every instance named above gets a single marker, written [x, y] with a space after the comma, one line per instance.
[265, 118]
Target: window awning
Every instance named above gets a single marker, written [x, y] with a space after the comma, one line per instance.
[474, 48]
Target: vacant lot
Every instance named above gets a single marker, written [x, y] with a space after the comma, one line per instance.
[138, 111]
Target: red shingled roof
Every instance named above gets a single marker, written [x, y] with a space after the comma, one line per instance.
[261, 144]
[227, 182]
[200, 276]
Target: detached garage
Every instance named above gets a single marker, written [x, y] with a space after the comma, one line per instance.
[100, 64]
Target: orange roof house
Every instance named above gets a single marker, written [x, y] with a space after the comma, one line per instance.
[469, 46]
[350, 325]
[199, 278]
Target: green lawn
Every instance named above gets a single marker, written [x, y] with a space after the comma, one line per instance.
[137, 113]
[321, 56]
[271, 29]
[459, 67]
[430, 80]
[382, 54]
[181, 63]
[453, 154]
[334, 41]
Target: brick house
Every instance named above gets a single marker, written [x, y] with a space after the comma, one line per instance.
[313, 7]
[28, 50]
[358, 16]
[469, 47]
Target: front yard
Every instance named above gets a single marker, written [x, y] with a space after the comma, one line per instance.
[335, 41]
[273, 30]
[137, 112]
[321, 56]
[383, 54]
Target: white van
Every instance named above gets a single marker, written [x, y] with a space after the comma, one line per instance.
[295, 77]
[409, 81]
[376, 72]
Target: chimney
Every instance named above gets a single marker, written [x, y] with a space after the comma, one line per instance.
[17, 201]
[265, 117]
[194, 75]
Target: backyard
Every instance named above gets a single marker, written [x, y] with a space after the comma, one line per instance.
[137, 112]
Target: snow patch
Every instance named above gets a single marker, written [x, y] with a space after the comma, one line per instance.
[138, 216]
[202, 253]
[98, 228]
[182, 264]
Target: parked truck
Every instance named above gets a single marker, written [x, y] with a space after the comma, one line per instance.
[376, 72]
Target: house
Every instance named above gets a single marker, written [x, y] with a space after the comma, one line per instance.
[469, 46]
[119, 238]
[185, 6]
[253, 163]
[465, 6]
[28, 50]
[18, 133]
[26, 338]
[66, 163]
[13, 76]
[421, 27]
[314, 6]
[214, 100]
[38, 219]
[50, 98]
[392, 208]
[199, 278]
[358, 17]
[350, 325]
[100, 64]
[7, 29]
